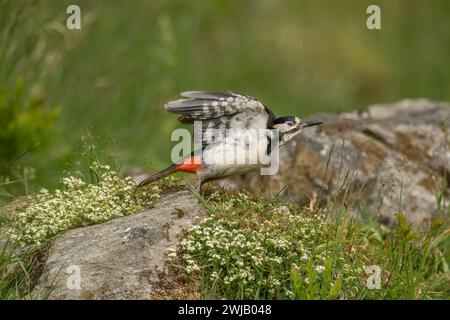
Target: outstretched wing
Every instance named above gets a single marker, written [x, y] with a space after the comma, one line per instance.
[219, 112]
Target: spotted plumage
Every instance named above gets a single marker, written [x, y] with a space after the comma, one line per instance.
[220, 111]
[229, 125]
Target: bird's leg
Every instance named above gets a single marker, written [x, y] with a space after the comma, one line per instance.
[201, 180]
[199, 186]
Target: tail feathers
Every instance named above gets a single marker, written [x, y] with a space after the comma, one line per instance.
[157, 176]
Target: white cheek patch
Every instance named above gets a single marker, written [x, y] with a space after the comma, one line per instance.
[282, 127]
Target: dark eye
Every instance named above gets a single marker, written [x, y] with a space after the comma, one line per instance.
[290, 123]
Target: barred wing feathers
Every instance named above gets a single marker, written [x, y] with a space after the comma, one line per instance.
[220, 111]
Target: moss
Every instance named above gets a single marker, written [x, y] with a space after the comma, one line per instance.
[405, 144]
[375, 154]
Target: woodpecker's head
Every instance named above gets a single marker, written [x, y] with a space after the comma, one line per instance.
[290, 126]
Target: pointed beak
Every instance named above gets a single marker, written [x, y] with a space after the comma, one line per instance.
[309, 124]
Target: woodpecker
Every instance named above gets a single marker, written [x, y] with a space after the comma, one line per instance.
[230, 125]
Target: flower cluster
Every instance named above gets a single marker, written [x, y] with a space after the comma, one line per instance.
[252, 247]
[80, 204]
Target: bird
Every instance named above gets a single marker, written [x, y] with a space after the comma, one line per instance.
[229, 125]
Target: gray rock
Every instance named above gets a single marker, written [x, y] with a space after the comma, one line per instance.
[386, 159]
[119, 259]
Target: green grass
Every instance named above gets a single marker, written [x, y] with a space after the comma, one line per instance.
[17, 263]
[19, 266]
[251, 248]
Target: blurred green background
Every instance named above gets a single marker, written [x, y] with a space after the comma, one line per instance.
[105, 85]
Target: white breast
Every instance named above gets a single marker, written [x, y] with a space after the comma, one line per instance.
[238, 152]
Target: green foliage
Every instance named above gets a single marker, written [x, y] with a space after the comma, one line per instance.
[16, 267]
[48, 214]
[415, 262]
[25, 123]
[313, 284]
[249, 248]
[266, 249]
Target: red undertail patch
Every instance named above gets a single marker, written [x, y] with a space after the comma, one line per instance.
[189, 164]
